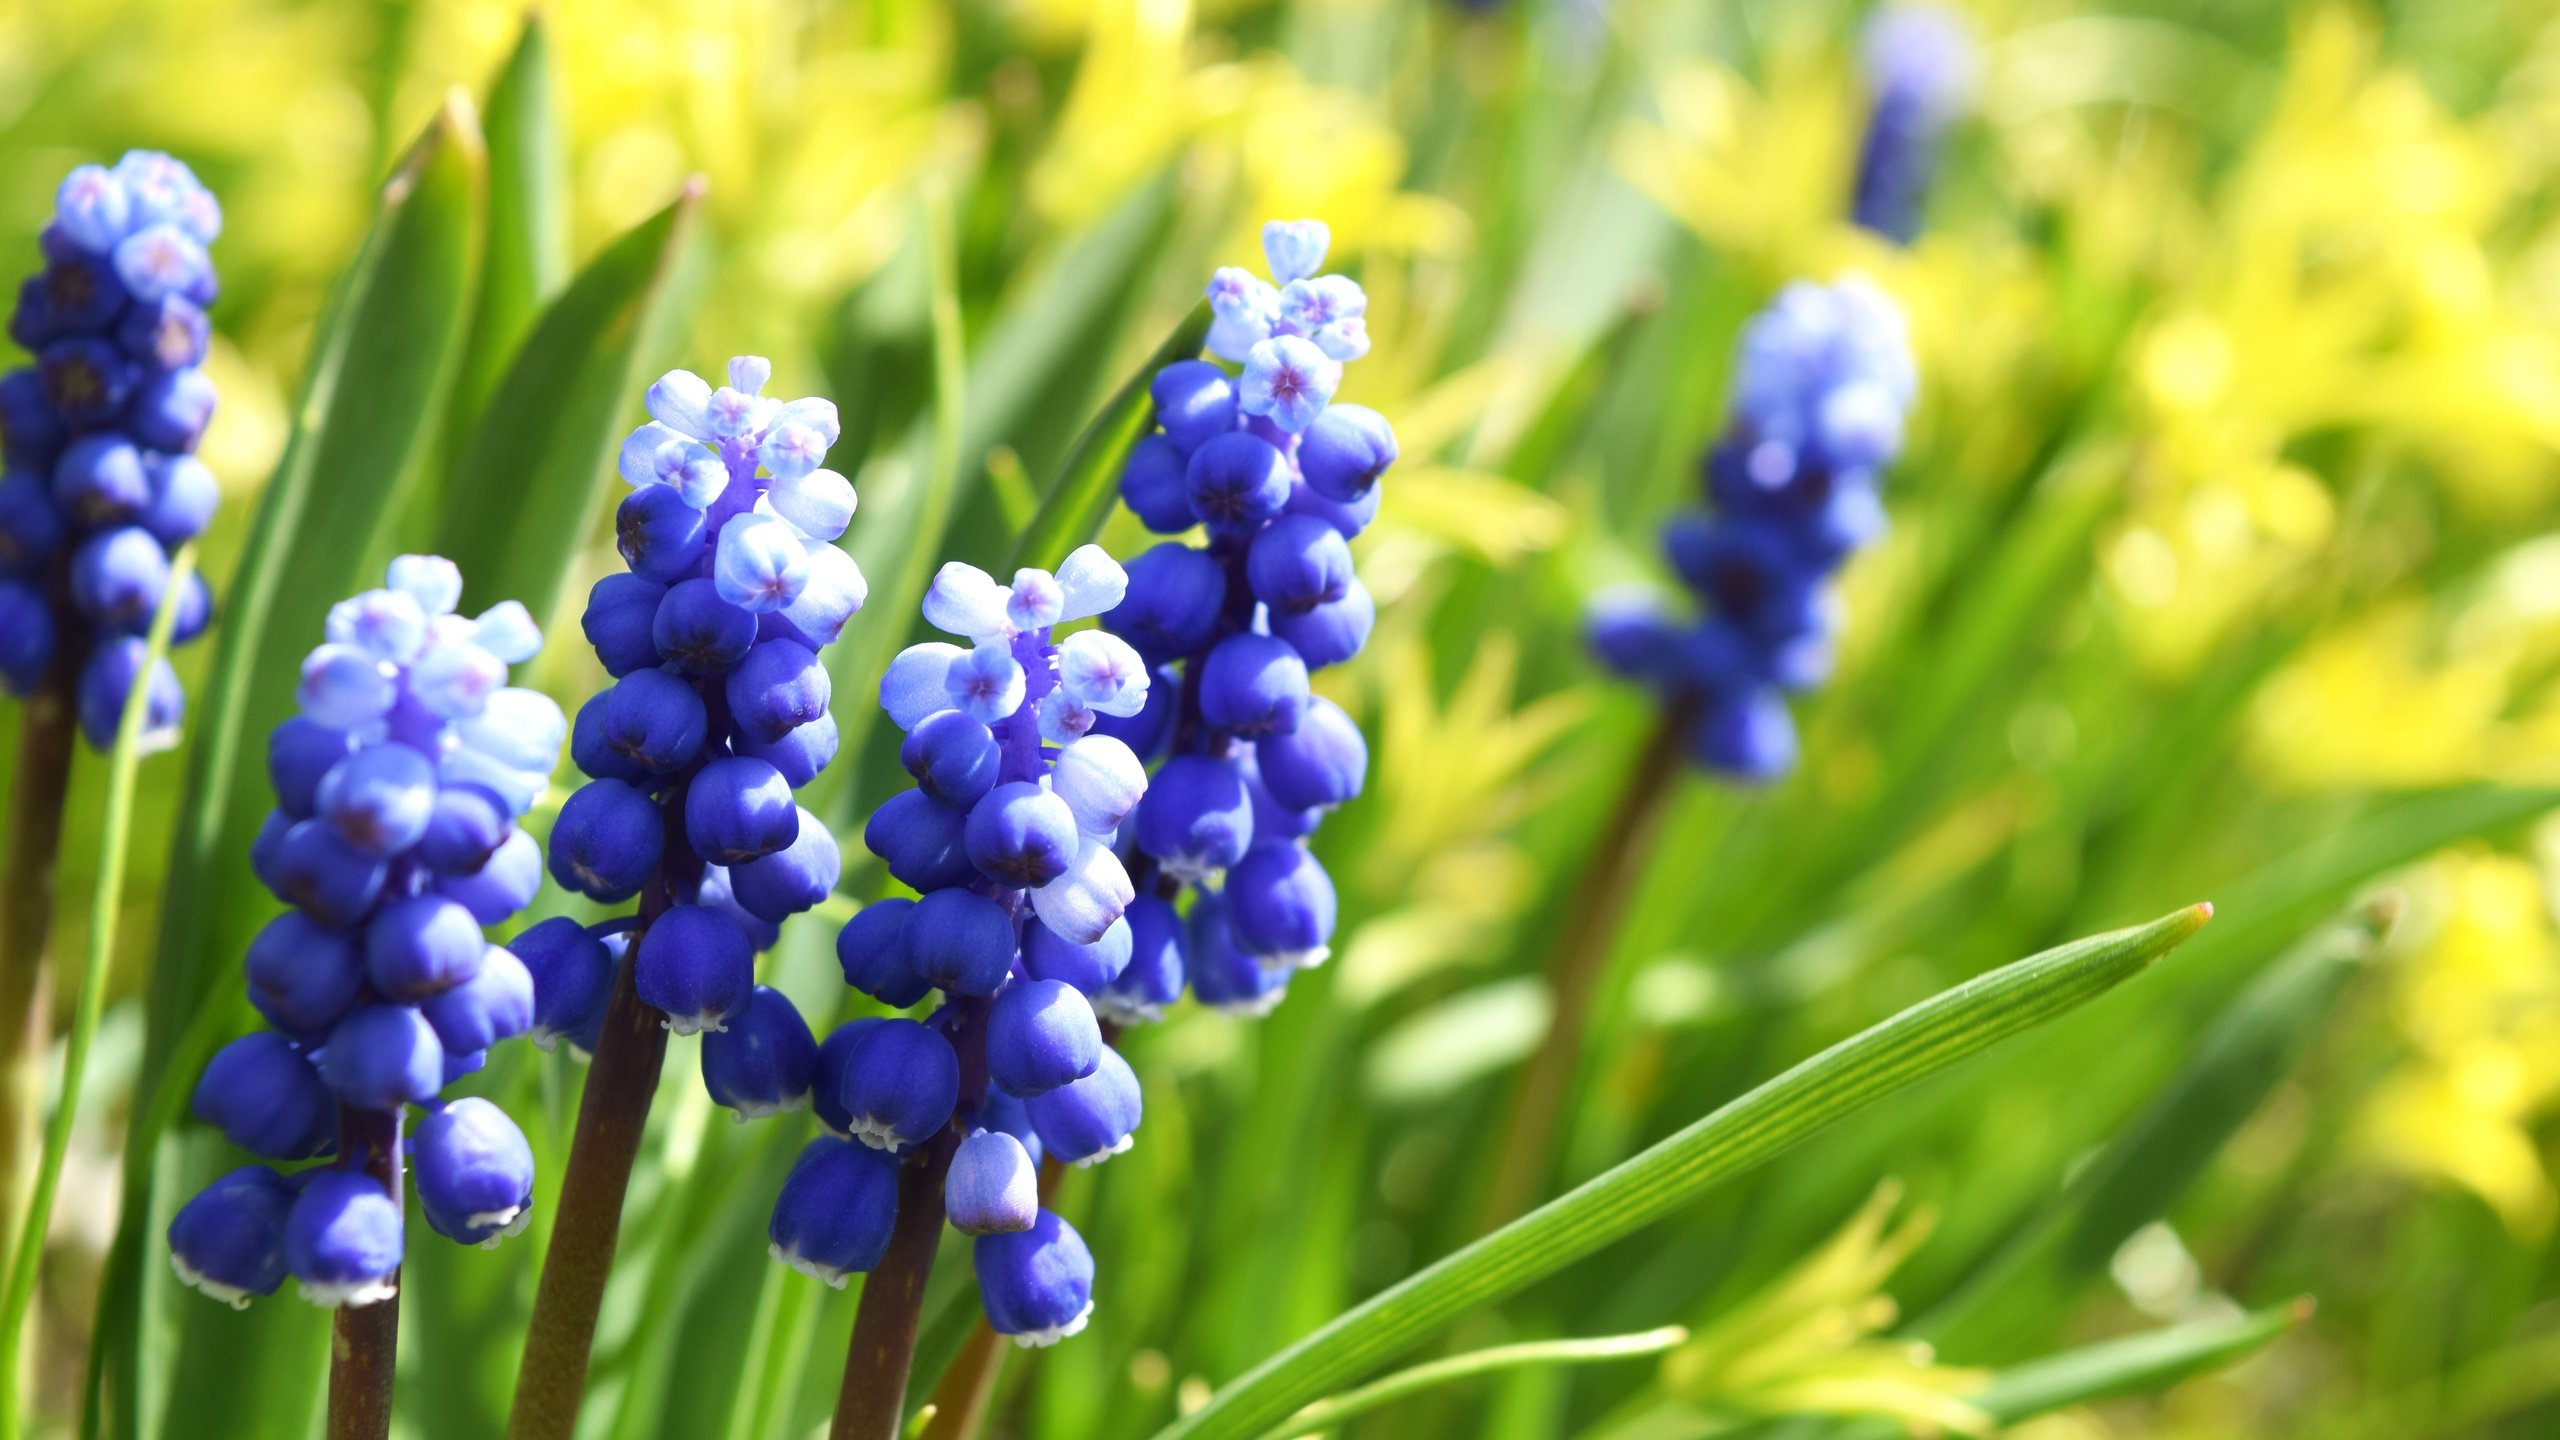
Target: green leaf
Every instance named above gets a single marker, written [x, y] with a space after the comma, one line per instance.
[2136, 1365]
[526, 259]
[1080, 498]
[1744, 1133]
[2249, 1050]
[378, 375]
[532, 480]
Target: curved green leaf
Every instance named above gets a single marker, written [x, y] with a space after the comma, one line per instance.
[1080, 498]
[1918, 1042]
[376, 380]
[527, 256]
[528, 487]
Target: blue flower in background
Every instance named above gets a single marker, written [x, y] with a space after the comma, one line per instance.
[1248, 757]
[1820, 391]
[1009, 837]
[395, 840]
[717, 714]
[98, 477]
[1919, 67]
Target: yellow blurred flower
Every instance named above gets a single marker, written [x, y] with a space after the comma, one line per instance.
[2415, 692]
[2479, 1007]
[2351, 286]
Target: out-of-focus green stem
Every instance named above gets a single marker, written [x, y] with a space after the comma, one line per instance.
[27, 1255]
[1573, 974]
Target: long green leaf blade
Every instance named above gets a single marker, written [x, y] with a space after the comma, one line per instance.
[1920, 1041]
[529, 485]
[1079, 499]
[527, 256]
[377, 378]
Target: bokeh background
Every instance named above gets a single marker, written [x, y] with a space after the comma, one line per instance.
[2222, 567]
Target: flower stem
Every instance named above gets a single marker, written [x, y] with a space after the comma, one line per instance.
[364, 1340]
[872, 1404]
[613, 1111]
[105, 905]
[47, 727]
[1574, 968]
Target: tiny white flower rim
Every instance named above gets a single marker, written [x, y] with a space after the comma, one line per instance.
[231, 1295]
[827, 1275]
[1044, 1338]
[352, 1294]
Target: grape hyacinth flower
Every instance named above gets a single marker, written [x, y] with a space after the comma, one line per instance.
[394, 839]
[717, 714]
[1248, 758]
[1008, 837]
[1919, 65]
[98, 476]
[1820, 393]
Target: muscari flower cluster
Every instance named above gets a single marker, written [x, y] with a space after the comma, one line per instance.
[1007, 838]
[1919, 66]
[1281, 479]
[1820, 392]
[100, 480]
[394, 839]
[716, 715]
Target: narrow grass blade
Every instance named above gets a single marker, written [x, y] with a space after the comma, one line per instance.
[376, 380]
[2136, 1365]
[1325, 1414]
[105, 907]
[2249, 1050]
[1080, 498]
[531, 481]
[1916, 1043]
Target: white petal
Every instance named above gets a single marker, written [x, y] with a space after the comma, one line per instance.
[1063, 718]
[431, 580]
[917, 682]
[833, 595]
[520, 729]
[1101, 780]
[1081, 904]
[966, 600]
[1100, 669]
[1091, 582]
[821, 503]
[679, 401]
[1034, 601]
[507, 631]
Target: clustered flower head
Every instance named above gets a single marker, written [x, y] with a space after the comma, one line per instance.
[1281, 479]
[716, 715]
[394, 839]
[100, 480]
[1820, 393]
[1919, 67]
[1019, 923]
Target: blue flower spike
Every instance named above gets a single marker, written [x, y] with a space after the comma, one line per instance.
[717, 714]
[399, 792]
[1250, 759]
[1011, 835]
[1919, 64]
[1820, 393]
[98, 477]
